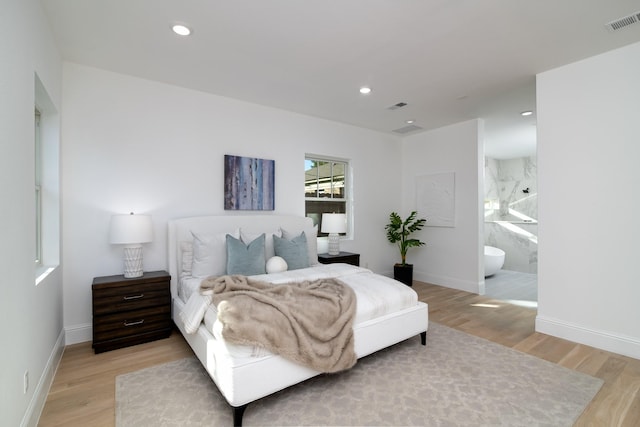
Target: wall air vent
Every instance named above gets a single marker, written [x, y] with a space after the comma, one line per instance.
[623, 22]
[407, 129]
[398, 105]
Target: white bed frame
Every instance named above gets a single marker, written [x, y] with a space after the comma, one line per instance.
[242, 381]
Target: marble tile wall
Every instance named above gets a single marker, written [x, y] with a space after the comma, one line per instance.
[511, 196]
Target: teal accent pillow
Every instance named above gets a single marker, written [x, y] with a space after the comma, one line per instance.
[246, 260]
[293, 251]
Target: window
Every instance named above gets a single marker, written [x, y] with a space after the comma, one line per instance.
[38, 182]
[46, 174]
[325, 187]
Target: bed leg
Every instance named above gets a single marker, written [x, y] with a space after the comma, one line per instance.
[238, 412]
[423, 337]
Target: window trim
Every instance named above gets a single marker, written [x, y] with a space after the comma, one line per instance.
[38, 185]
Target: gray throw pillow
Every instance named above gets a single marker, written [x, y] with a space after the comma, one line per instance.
[246, 260]
[293, 251]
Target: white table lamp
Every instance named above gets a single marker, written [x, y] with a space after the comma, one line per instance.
[132, 231]
[334, 223]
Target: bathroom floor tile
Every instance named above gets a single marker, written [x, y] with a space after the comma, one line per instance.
[512, 285]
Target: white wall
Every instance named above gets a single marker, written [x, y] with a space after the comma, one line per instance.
[135, 145]
[31, 329]
[588, 153]
[452, 255]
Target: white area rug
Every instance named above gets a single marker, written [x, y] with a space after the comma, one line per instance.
[456, 380]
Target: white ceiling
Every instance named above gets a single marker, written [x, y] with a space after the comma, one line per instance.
[449, 60]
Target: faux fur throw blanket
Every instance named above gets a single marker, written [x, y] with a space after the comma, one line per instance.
[309, 322]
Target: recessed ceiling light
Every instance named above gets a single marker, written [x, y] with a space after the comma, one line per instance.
[181, 30]
[410, 121]
[365, 90]
[526, 113]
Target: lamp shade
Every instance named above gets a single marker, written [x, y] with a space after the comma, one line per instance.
[334, 223]
[130, 229]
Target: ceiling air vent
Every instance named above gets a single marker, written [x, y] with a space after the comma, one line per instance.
[407, 129]
[398, 105]
[623, 22]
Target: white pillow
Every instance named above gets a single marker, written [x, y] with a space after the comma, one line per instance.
[210, 253]
[311, 233]
[186, 249]
[248, 237]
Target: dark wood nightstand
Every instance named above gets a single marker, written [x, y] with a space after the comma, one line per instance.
[346, 257]
[130, 311]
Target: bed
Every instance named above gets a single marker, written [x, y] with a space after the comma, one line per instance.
[387, 311]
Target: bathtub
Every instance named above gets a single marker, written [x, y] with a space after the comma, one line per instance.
[493, 260]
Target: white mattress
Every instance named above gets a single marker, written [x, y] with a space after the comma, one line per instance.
[376, 296]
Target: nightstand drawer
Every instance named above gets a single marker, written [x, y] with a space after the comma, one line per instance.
[107, 301]
[131, 322]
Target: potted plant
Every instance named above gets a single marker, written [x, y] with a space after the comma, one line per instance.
[398, 231]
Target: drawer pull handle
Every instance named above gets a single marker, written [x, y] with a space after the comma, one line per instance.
[127, 298]
[139, 322]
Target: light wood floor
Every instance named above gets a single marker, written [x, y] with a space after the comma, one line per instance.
[83, 392]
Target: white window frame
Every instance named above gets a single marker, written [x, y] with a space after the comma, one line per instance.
[346, 199]
[38, 186]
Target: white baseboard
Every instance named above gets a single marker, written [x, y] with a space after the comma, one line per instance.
[79, 333]
[39, 398]
[620, 344]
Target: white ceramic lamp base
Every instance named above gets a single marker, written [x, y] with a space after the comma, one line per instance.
[133, 261]
[334, 244]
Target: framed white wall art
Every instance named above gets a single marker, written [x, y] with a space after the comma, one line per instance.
[436, 199]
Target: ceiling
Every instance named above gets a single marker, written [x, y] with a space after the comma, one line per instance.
[448, 60]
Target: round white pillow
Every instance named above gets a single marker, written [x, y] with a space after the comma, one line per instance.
[276, 264]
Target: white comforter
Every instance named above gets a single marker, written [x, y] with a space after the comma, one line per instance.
[377, 295]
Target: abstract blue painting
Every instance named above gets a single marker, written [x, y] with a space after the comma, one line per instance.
[248, 183]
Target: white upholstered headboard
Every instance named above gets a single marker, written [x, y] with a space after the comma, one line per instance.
[180, 231]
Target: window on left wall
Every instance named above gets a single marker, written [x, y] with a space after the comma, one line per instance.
[46, 169]
[38, 186]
